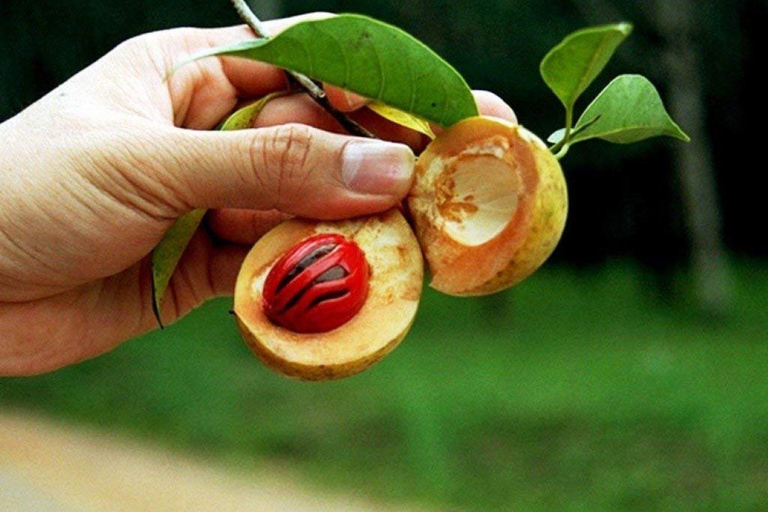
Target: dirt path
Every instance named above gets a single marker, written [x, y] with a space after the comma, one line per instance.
[51, 467]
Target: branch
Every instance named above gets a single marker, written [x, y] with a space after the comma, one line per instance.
[313, 89]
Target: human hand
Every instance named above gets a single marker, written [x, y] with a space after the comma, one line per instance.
[93, 174]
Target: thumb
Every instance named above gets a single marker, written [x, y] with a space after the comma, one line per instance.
[294, 168]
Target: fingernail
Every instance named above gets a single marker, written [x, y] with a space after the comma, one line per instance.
[377, 167]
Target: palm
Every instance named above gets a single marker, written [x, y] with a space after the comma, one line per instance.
[87, 272]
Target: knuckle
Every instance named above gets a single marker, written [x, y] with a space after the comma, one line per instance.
[258, 166]
[160, 48]
[139, 41]
[140, 50]
[281, 160]
[291, 153]
[142, 43]
[293, 145]
[149, 39]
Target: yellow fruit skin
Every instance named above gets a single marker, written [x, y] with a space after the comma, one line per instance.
[533, 232]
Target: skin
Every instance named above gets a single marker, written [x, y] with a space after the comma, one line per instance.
[95, 172]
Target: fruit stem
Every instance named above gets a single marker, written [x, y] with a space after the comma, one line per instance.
[313, 89]
[568, 125]
[561, 148]
[561, 152]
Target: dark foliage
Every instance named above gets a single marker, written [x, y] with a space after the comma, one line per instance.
[624, 200]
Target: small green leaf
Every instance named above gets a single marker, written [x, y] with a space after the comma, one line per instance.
[370, 58]
[557, 136]
[571, 66]
[628, 110]
[166, 256]
[397, 116]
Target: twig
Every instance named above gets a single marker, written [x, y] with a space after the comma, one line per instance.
[306, 83]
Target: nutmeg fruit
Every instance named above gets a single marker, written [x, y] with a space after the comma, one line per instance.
[489, 205]
[324, 300]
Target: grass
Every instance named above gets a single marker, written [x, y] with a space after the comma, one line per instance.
[579, 392]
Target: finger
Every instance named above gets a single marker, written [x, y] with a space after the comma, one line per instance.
[386, 129]
[243, 226]
[205, 271]
[300, 108]
[344, 101]
[490, 104]
[294, 168]
[297, 108]
[204, 91]
[100, 316]
[251, 78]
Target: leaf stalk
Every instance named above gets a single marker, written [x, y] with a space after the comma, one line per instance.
[310, 86]
[562, 151]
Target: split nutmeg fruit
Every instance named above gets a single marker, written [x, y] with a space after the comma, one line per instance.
[351, 292]
[489, 205]
[323, 300]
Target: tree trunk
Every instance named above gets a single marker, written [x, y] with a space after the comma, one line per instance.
[693, 161]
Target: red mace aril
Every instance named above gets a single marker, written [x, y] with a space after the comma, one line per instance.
[317, 286]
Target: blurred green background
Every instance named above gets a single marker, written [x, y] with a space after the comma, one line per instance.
[631, 373]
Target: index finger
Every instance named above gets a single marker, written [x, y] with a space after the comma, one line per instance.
[251, 78]
[343, 100]
[206, 90]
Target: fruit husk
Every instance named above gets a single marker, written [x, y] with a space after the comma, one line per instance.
[534, 227]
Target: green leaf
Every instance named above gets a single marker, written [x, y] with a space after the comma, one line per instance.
[628, 110]
[370, 58]
[397, 116]
[166, 256]
[571, 66]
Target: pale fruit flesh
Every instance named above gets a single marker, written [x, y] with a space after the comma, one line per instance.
[395, 284]
[489, 205]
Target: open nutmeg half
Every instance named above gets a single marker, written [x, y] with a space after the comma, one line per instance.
[489, 205]
[326, 300]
